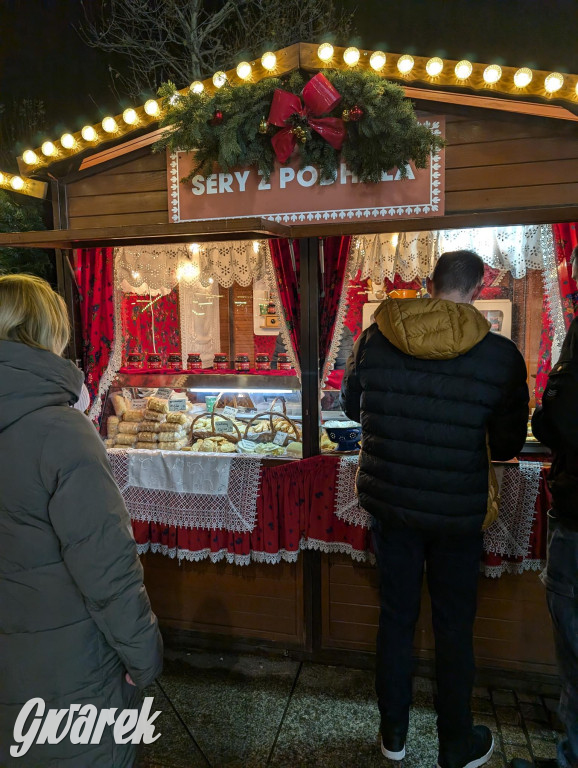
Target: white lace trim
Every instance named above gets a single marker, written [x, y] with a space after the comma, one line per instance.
[552, 289]
[495, 571]
[346, 505]
[271, 278]
[339, 317]
[235, 510]
[340, 547]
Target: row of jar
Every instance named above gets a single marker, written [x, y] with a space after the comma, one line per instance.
[174, 362]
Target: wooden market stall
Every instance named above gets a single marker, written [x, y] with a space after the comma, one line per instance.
[510, 159]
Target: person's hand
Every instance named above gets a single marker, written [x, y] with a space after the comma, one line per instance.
[129, 679]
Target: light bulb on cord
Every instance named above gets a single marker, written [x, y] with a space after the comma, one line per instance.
[88, 133]
[351, 56]
[434, 66]
[16, 182]
[2, 178]
[325, 51]
[30, 157]
[151, 107]
[194, 248]
[463, 69]
[129, 116]
[197, 87]
[405, 64]
[219, 79]
[492, 74]
[48, 149]
[553, 82]
[269, 60]
[377, 60]
[109, 125]
[523, 77]
[244, 70]
[67, 140]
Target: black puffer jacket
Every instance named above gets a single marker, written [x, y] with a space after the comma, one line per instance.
[428, 383]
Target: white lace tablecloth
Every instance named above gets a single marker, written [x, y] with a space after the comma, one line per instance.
[508, 536]
[189, 490]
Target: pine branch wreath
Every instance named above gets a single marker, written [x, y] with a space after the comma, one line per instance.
[229, 128]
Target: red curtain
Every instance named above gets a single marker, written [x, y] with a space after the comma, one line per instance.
[288, 286]
[137, 324]
[335, 253]
[94, 270]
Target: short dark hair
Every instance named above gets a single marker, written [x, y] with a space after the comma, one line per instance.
[460, 271]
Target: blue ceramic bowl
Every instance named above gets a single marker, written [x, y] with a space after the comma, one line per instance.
[347, 438]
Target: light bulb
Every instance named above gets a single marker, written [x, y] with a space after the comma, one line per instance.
[174, 99]
[219, 79]
[244, 70]
[395, 240]
[16, 182]
[197, 87]
[67, 140]
[576, 89]
[88, 133]
[129, 116]
[135, 275]
[187, 271]
[553, 82]
[269, 60]
[48, 148]
[194, 248]
[325, 51]
[405, 63]
[256, 246]
[151, 107]
[30, 157]
[211, 281]
[463, 69]
[492, 74]
[2, 178]
[434, 66]
[109, 124]
[377, 60]
[351, 56]
[523, 77]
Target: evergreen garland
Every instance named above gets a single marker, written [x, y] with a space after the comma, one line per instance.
[223, 128]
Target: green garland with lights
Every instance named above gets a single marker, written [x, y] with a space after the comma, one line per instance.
[229, 128]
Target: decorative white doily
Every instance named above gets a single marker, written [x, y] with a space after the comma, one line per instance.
[233, 510]
[346, 505]
[495, 571]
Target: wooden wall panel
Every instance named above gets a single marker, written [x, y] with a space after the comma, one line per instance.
[254, 601]
[512, 629]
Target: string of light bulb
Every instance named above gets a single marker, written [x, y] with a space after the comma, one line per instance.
[435, 71]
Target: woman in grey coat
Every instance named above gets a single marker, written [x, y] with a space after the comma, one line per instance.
[76, 626]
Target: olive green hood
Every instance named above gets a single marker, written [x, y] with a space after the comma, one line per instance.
[431, 329]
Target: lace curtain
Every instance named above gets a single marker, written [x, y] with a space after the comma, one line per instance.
[413, 255]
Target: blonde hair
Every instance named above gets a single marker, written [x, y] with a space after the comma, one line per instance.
[32, 313]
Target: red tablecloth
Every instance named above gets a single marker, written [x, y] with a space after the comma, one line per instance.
[296, 511]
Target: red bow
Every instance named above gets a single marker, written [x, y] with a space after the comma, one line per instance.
[319, 97]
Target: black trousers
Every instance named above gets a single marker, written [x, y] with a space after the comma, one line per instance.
[452, 565]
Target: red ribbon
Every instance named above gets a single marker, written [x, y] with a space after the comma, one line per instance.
[319, 97]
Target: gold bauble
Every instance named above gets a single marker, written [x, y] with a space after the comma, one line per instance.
[263, 125]
[345, 115]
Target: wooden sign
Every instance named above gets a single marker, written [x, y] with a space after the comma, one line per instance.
[294, 195]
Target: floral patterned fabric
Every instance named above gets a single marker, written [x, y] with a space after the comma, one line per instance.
[335, 254]
[94, 274]
[142, 321]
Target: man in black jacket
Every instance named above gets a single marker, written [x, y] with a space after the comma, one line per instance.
[556, 425]
[434, 390]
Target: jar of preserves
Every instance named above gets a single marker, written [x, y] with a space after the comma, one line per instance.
[135, 360]
[283, 363]
[271, 309]
[154, 361]
[242, 363]
[174, 362]
[194, 362]
[220, 362]
[263, 363]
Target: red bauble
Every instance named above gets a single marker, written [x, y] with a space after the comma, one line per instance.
[217, 118]
[355, 114]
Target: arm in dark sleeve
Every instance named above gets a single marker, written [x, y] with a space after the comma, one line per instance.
[555, 424]
[508, 424]
[88, 515]
[351, 386]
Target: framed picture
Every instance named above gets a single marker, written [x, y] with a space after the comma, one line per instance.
[499, 313]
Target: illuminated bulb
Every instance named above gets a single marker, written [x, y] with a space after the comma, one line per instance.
[351, 56]
[244, 70]
[197, 87]
[194, 247]
[492, 74]
[16, 182]
[187, 271]
[151, 107]
[405, 63]
[211, 281]
[219, 79]
[256, 246]
[109, 124]
[67, 140]
[325, 51]
[553, 82]
[523, 77]
[269, 60]
[2, 178]
[395, 240]
[129, 116]
[463, 69]
[174, 98]
[48, 148]
[377, 60]
[434, 66]
[136, 275]
[88, 133]
[576, 89]
[30, 157]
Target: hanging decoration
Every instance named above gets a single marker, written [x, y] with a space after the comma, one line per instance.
[352, 116]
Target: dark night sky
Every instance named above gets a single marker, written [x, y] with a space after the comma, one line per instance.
[42, 56]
